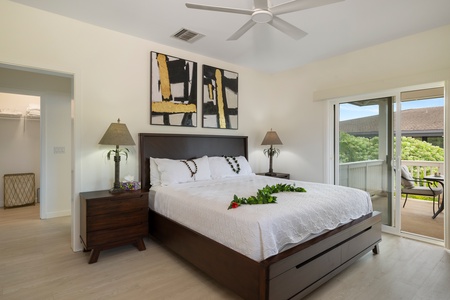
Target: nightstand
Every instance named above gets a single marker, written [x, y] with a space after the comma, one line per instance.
[111, 220]
[275, 174]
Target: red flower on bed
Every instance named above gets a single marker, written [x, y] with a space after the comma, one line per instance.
[234, 205]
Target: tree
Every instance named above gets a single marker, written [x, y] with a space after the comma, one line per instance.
[414, 149]
[353, 148]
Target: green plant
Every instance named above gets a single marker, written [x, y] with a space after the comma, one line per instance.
[264, 195]
[353, 148]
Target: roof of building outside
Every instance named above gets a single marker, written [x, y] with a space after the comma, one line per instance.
[429, 119]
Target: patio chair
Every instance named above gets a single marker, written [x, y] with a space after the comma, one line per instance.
[416, 186]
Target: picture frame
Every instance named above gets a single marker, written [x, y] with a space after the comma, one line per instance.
[173, 91]
[220, 98]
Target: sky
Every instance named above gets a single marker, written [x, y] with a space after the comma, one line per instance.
[349, 111]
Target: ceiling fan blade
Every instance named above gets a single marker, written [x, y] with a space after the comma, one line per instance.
[260, 4]
[221, 9]
[287, 28]
[242, 30]
[299, 5]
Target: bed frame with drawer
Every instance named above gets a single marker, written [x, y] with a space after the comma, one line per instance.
[291, 274]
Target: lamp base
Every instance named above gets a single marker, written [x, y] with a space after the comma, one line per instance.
[116, 190]
[270, 174]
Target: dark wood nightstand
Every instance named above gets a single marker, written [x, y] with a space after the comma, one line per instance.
[275, 174]
[111, 220]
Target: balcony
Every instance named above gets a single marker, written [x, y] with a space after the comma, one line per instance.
[417, 214]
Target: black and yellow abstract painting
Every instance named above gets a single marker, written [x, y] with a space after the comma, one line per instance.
[173, 91]
[220, 98]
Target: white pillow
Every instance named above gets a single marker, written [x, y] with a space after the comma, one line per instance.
[155, 177]
[220, 167]
[203, 170]
[175, 171]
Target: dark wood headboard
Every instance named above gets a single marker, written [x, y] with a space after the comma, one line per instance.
[184, 146]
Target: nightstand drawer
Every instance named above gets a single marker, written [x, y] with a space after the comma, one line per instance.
[111, 237]
[113, 220]
[112, 205]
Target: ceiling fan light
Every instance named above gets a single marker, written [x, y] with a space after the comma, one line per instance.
[262, 16]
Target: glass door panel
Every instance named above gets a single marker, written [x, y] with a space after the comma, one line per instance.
[364, 137]
[421, 132]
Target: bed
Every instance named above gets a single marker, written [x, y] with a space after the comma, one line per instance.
[292, 273]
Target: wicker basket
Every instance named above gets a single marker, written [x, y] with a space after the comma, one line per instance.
[19, 189]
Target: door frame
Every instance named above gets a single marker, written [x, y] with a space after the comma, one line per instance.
[75, 159]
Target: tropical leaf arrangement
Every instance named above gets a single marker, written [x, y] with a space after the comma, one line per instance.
[271, 151]
[123, 152]
[264, 195]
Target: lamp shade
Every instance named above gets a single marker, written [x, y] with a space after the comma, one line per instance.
[117, 134]
[271, 138]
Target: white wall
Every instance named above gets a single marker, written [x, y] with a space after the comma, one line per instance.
[301, 94]
[57, 157]
[111, 80]
[20, 138]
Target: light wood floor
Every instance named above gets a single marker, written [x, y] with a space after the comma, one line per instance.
[417, 218]
[36, 262]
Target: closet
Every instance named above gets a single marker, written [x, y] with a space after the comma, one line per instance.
[20, 151]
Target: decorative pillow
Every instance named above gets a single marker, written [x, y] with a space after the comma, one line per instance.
[221, 168]
[155, 177]
[176, 171]
[407, 179]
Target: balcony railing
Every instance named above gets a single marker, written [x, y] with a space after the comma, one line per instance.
[421, 168]
[364, 175]
[367, 175]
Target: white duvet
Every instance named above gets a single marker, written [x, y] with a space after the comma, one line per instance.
[259, 231]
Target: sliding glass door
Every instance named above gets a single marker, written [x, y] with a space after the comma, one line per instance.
[373, 136]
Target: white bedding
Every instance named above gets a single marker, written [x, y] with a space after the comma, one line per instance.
[258, 231]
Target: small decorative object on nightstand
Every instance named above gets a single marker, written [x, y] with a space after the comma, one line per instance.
[271, 139]
[277, 175]
[111, 220]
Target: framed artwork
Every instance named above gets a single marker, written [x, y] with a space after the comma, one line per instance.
[220, 98]
[173, 91]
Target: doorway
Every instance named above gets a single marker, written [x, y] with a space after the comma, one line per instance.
[20, 133]
[56, 93]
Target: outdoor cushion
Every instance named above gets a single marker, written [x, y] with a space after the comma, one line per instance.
[407, 179]
[423, 190]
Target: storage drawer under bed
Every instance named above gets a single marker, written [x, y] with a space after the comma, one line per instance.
[290, 282]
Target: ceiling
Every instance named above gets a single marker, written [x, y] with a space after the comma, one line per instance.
[332, 29]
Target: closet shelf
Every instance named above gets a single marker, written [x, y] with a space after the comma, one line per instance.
[14, 117]
[10, 116]
[32, 118]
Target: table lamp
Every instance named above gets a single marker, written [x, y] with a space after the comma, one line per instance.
[117, 134]
[271, 139]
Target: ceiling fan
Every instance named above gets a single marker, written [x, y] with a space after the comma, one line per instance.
[264, 13]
